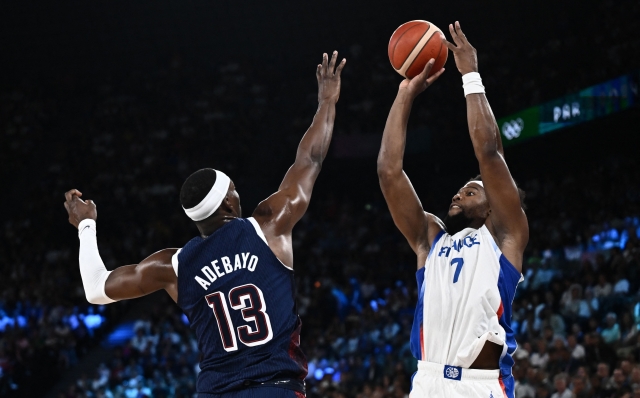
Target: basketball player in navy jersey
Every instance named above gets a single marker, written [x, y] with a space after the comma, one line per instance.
[470, 264]
[235, 281]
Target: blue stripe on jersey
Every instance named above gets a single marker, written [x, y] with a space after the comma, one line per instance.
[416, 328]
[507, 284]
[509, 386]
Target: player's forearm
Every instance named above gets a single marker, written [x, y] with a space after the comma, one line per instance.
[92, 270]
[483, 129]
[390, 158]
[315, 143]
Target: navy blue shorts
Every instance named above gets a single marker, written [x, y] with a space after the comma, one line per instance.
[257, 392]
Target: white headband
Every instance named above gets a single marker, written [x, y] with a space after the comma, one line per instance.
[474, 182]
[212, 201]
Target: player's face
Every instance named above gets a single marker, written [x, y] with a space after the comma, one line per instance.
[470, 201]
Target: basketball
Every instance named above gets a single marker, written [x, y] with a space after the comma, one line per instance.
[413, 44]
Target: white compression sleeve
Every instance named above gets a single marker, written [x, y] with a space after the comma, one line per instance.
[92, 270]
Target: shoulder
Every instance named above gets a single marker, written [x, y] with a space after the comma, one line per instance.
[162, 257]
[161, 265]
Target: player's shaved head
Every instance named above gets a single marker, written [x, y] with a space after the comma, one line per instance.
[206, 203]
[196, 187]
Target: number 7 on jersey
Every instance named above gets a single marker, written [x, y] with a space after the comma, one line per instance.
[459, 262]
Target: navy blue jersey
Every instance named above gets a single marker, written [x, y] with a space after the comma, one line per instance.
[240, 301]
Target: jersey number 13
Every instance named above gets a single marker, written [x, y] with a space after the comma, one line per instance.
[248, 299]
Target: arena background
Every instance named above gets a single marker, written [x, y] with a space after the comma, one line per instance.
[123, 100]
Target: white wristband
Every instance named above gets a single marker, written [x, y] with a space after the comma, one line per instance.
[472, 83]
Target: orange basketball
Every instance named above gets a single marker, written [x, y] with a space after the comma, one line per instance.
[413, 44]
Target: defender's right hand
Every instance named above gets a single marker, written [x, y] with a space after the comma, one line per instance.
[328, 76]
[78, 209]
[418, 84]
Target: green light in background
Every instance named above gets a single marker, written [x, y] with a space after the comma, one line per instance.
[591, 103]
[520, 126]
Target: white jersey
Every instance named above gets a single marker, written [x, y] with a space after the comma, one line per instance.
[466, 289]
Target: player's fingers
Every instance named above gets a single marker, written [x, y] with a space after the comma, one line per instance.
[66, 206]
[90, 202]
[332, 63]
[340, 66]
[325, 60]
[461, 35]
[454, 35]
[319, 71]
[449, 45]
[425, 72]
[70, 194]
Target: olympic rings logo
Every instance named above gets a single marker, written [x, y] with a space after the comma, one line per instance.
[513, 128]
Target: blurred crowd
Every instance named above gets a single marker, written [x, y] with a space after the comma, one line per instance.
[576, 315]
[128, 139]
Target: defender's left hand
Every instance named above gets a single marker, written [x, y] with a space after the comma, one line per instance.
[464, 54]
[329, 78]
[78, 209]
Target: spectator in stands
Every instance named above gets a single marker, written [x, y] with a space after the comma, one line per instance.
[611, 333]
[560, 385]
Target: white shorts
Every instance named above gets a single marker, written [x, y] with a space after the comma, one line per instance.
[433, 380]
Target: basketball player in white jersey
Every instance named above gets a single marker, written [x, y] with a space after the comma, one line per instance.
[470, 264]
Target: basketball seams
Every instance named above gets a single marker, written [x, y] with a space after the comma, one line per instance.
[413, 54]
[436, 57]
[427, 53]
[397, 40]
[418, 49]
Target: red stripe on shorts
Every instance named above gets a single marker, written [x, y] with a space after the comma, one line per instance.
[504, 389]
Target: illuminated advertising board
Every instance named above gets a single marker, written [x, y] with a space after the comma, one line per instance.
[593, 102]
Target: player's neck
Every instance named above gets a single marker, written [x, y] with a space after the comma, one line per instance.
[454, 227]
[209, 226]
[477, 223]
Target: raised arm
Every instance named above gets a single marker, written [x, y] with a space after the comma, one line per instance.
[417, 226]
[126, 282]
[507, 218]
[278, 214]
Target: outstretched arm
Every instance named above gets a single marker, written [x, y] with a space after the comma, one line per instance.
[418, 227]
[508, 220]
[278, 214]
[127, 282]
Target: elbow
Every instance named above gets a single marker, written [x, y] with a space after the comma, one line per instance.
[387, 171]
[97, 296]
[93, 299]
[316, 160]
[98, 300]
[487, 153]
[386, 177]
[313, 157]
[383, 172]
